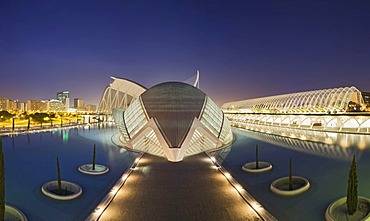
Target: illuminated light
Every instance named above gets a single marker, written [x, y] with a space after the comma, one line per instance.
[99, 210]
[213, 159]
[227, 175]
[362, 145]
[137, 160]
[124, 177]
[114, 190]
[328, 141]
[256, 205]
[238, 187]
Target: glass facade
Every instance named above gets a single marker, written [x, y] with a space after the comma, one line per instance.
[199, 143]
[212, 117]
[148, 142]
[135, 118]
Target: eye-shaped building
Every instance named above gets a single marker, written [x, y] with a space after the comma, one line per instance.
[173, 120]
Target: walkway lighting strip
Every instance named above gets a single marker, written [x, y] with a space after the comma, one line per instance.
[256, 206]
[102, 206]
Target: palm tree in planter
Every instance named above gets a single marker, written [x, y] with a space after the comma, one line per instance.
[3, 207]
[93, 168]
[2, 181]
[358, 207]
[352, 196]
[60, 189]
[257, 166]
[94, 158]
[290, 185]
[290, 175]
[59, 178]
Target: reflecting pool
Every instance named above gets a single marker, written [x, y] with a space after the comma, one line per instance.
[324, 163]
[30, 161]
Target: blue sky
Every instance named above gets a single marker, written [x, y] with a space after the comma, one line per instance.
[243, 49]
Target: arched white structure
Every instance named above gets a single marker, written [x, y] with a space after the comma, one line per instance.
[334, 100]
[324, 110]
[119, 94]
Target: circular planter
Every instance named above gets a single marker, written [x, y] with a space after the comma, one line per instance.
[281, 186]
[251, 167]
[69, 190]
[337, 210]
[88, 169]
[12, 213]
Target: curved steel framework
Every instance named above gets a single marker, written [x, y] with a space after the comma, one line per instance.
[335, 100]
[119, 94]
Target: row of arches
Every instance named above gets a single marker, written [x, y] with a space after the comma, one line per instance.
[318, 101]
[335, 123]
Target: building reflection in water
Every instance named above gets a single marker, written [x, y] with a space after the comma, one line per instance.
[332, 145]
[341, 146]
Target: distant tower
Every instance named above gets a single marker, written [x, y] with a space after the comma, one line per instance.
[63, 96]
[79, 104]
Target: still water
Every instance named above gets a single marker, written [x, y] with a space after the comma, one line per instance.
[30, 161]
[324, 163]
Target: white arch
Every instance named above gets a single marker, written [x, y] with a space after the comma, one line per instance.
[325, 100]
[119, 94]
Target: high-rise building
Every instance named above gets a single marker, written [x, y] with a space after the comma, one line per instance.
[56, 105]
[18, 106]
[79, 104]
[36, 105]
[366, 97]
[5, 104]
[64, 97]
[90, 108]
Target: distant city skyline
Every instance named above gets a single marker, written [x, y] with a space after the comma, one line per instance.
[243, 49]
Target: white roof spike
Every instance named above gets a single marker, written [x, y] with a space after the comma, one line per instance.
[196, 83]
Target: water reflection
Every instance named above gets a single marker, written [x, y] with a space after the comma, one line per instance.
[325, 144]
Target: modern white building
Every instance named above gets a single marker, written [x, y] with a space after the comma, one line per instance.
[335, 110]
[119, 94]
[333, 100]
[171, 120]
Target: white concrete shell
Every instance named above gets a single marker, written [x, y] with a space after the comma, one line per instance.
[119, 94]
[173, 120]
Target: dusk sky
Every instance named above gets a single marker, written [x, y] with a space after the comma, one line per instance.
[243, 49]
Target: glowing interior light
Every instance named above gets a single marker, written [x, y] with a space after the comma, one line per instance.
[213, 159]
[239, 188]
[137, 160]
[124, 177]
[228, 175]
[256, 205]
[99, 210]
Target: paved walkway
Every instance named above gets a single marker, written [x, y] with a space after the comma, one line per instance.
[190, 190]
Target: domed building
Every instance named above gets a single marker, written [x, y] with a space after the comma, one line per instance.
[173, 120]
